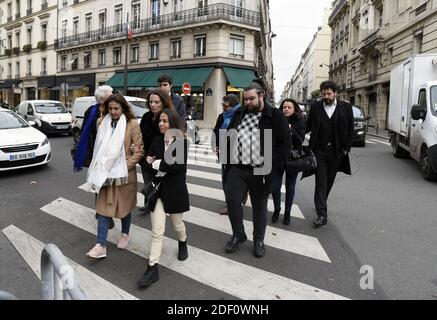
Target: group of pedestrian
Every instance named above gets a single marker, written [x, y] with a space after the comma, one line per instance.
[253, 142]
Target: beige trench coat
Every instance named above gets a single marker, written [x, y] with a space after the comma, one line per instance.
[118, 201]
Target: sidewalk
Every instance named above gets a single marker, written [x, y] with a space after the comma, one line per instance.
[381, 133]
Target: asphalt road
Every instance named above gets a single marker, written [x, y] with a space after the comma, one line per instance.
[383, 216]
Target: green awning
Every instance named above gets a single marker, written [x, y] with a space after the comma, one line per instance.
[147, 79]
[239, 78]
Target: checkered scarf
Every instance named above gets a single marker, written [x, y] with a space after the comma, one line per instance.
[248, 150]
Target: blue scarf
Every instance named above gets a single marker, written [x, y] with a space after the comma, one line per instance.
[227, 116]
[82, 146]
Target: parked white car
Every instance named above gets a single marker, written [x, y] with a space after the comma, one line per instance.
[81, 105]
[50, 116]
[21, 145]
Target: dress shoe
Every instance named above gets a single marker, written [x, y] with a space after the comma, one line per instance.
[275, 215]
[183, 250]
[259, 250]
[150, 276]
[286, 219]
[320, 221]
[234, 244]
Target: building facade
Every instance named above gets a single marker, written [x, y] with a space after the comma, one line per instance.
[313, 67]
[378, 35]
[217, 47]
[27, 34]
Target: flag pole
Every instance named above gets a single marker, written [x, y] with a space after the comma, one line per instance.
[126, 56]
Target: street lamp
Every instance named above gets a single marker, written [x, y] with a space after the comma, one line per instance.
[324, 64]
[274, 35]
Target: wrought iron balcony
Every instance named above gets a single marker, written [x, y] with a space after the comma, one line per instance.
[215, 12]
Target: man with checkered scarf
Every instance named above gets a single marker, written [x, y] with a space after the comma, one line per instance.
[259, 144]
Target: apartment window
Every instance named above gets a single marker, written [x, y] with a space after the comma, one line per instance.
[44, 66]
[18, 8]
[10, 41]
[88, 24]
[9, 11]
[29, 68]
[117, 55]
[178, 5]
[353, 73]
[239, 7]
[74, 62]
[202, 7]
[154, 51]
[175, 47]
[17, 40]
[102, 22]
[75, 26]
[17, 69]
[156, 11]
[44, 32]
[87, 60]
[418, 43]
[236, 46]
[29, 7]
[29, 36]
[136, 15]
[102, 58]
[9, 70]
[200, 46]
[135, 53]
[63, 63]
[390, 55]
[118, 18]
[64, 29]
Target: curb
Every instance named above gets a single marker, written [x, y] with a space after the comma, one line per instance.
[378, 136]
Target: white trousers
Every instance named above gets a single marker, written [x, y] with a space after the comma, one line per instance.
[158, 217]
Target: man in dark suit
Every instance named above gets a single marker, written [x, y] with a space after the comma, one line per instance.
[331, 124]
[165, 83]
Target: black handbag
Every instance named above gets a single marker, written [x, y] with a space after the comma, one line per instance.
[300, 160]
[151, 192]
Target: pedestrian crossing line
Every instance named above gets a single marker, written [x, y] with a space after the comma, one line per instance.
[277, 238]
[202, 156]
[232, 277]
[95, 287]
[204, 164]
[217, 194]
[379, 141]
[371, 142]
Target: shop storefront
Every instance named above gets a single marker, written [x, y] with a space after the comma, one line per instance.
[81, 85]
[10, 93]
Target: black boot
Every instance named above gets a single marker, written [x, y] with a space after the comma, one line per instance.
[150, 276]
[275, 215]
[286, 218]
[183, 251]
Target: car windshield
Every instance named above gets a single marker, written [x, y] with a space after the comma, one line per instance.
[358, 113]
[9, 120]
[434, 99]
[50, 107]
[139, 108]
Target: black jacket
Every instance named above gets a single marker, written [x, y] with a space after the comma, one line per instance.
[149, 130]
[274, 119]
[173, 190]
[179, 104]
[344, 130]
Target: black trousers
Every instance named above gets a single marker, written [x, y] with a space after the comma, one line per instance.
[238, 181]
[327, 168]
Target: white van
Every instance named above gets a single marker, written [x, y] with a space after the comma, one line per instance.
[49, 116]
[81, 105]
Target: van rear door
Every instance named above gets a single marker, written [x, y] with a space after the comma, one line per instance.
[405, 98]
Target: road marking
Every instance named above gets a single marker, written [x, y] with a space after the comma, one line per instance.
[202, 156]
[204, 164]
[237, 279]
[371, 142]
[95, 287]
[217, 194]
[380, 141]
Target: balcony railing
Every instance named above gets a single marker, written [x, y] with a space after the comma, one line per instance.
[219, 11]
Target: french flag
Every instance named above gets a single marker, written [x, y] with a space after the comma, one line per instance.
[129, 31]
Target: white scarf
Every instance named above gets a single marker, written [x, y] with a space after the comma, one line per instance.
[109, 160]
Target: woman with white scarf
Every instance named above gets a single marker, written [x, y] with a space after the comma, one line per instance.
[112, 173]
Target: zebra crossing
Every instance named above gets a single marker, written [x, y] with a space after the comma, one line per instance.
[248, 281]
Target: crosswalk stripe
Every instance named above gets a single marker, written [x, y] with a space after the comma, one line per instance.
[202, 155]
[95, 287]
[204, 164]
[217, 194]
[380, 141]
[371, 142]
[234, 278]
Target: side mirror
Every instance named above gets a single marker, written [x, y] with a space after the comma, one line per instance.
[418, 112]
[32, 123]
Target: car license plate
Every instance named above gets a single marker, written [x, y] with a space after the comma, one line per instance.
[21, 156]
[62, 127]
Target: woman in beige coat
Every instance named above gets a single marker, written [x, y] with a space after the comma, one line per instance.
[112, 173]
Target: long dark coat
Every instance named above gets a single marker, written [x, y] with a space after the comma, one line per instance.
[344, 132]
[173, 189]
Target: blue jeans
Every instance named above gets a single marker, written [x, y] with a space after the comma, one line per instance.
[290, 186]
[103, 227]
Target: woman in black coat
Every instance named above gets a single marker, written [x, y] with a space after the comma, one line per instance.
[168, 157]
[292, 112]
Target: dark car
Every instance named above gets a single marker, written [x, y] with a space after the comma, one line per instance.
[360, 126]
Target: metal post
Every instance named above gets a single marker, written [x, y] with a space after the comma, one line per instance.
[126, 57]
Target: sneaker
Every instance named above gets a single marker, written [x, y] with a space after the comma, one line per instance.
[123, 241]
[97, 252]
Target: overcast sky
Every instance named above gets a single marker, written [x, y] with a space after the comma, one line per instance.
[294, 22]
